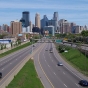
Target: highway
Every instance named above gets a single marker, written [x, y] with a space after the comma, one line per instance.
[59, 76]
[9, 63]
[51, 75]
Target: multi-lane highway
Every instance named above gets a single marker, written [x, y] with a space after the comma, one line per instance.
[49, 72]
[58, 76]
[9, 63]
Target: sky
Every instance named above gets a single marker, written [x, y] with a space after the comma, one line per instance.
[72, 10]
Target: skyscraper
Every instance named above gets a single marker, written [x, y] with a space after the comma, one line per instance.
[37, 20]
[44, 22]
[55, 16]
[25, 19]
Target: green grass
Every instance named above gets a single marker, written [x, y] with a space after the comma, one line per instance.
[15, 49]
[26, 78]
[76, 59]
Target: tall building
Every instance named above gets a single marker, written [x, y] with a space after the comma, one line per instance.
[44, 21]
[73, 27]
[65, 26]
[25, 18]
[31, 26]
[37, 20]
[16, 28]
[4, 27]
[52, 23]
[55, 17]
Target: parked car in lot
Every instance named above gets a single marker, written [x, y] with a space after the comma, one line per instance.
[83, 82]
[0, 74]
[60, 64]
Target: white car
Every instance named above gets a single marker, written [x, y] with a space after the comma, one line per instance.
[60, 64]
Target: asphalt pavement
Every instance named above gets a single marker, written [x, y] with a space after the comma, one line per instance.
[59, 76]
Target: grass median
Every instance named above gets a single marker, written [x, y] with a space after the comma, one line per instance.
[26, 78]
[76, 59]
[15, 49]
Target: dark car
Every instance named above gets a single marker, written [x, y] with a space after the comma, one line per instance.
[0, 75]
[51, 49]
[83, 82]
[46, 49]
[33, 45]
[60, 64]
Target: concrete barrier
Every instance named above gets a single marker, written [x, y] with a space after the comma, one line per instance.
[17, 68]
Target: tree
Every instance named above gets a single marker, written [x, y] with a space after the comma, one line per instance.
[84, 33]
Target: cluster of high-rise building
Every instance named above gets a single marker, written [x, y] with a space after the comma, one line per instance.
[54, 25]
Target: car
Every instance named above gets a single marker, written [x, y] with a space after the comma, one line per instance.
[33, 45]
[60, 64]
[51, 51]
[46, 49]
[83, 82]
[0, 74]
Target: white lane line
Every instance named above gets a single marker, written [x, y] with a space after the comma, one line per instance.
[65, 85]
[3, 69]
[77, 84]
[54, 73]
[63, 72]
[69, 69]
[48, 66]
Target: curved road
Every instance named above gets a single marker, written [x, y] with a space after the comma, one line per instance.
[59, 76]
[8, 63]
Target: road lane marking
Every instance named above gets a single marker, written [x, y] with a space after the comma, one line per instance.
[77, 84]
[48, 66]
[69, 69]
[3, 69]
[65, 85]
[44, 72]
[54, 73]
[16, 66]
[63, 72]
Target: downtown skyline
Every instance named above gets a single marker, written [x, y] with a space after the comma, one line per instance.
[74, 11]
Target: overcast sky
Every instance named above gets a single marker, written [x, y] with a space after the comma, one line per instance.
[71, 10]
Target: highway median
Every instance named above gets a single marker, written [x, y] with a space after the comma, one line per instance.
[26, 78]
